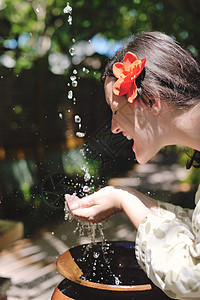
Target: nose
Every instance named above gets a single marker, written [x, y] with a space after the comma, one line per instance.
[114, 127]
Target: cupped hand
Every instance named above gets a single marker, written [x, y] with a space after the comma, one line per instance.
[97, 207]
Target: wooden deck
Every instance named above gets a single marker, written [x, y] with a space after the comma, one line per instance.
[32, 270]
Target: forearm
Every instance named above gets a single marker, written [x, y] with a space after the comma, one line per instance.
[137, 205]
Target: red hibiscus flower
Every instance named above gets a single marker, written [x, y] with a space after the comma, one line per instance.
[126, 73]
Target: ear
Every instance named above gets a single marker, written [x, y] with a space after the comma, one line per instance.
[155, 105]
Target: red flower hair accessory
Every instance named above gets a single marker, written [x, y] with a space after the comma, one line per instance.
[126, 73]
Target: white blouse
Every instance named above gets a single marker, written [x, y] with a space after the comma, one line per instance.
[168, 249]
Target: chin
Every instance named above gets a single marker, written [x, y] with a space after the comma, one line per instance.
[143, 159]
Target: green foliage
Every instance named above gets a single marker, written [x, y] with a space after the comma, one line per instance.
[184, 155]
[73, 160]
[47, 30]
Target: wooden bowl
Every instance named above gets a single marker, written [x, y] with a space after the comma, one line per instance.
[103, 272]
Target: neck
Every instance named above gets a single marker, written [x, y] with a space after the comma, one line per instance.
[185, 129]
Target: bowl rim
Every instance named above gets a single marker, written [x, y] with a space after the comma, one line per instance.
[66, 263]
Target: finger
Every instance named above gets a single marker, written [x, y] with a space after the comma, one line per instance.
[70, 199]
[84, 214]
[85, 202]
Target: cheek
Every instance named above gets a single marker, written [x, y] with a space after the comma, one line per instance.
[145, 146]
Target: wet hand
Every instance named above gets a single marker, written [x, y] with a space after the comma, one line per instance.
[97, 207]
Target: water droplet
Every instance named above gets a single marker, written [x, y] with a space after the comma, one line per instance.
[73, 77]
[87, 177]
[86, 189]
[77, 119]
[84, 168]
[37, 10]
[66, 217]
[60, 116]
[71, 51]
[80, 134]
[52, 233]
[67, 9]
[117, 281]
[70, 94]
[74, 83]
[69, 20]
[85, 70]
[73, 40]
[1, 77]
[96, 254]
[75, 71]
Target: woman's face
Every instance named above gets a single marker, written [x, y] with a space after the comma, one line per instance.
[136, 122]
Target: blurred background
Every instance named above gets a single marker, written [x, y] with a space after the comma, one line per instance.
[53, 115]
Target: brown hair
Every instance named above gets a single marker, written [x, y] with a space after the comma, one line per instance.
[170, 71]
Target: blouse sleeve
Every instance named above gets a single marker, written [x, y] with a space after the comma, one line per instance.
[168, 249]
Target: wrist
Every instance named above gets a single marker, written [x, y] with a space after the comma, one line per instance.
[121, 197]
[134, 208]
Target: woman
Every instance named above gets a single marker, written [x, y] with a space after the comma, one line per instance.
[153, 88]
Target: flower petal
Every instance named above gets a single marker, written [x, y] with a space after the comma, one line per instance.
[137, 68]
[132, 93]
[143, 61]
[128, 60]
[122, 86]
[118, 69]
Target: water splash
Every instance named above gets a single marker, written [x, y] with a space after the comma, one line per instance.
[77, 119]
[84, 69]
[85, 229]
[93, 231]
[80, 134]
[74, 83]
[87, 177]
[86, 189]
[70, 95]
[72, 51]
[69, 20]
[67, 214]
[73, 77]
[68, 10]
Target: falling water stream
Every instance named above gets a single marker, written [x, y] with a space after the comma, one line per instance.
[89, 229]
[106, 274]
